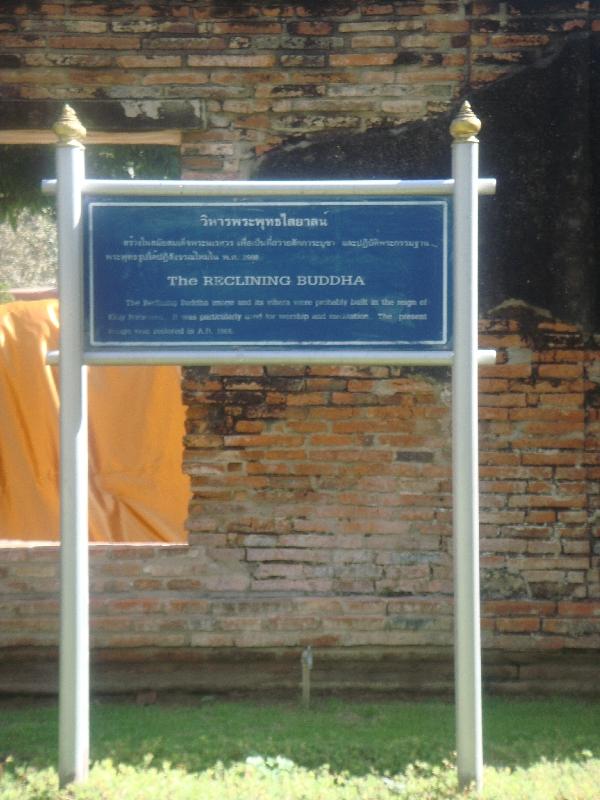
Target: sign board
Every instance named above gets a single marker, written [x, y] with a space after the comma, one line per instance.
[235, 272]
[211, 268]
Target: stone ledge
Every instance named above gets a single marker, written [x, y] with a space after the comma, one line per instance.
[401, 672]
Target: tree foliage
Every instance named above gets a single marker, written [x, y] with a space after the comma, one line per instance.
[23, 167]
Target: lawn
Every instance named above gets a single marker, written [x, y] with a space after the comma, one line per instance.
[337, 749]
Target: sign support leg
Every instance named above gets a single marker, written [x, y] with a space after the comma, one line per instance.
[467, 645]
[74, 613]
[74, 634]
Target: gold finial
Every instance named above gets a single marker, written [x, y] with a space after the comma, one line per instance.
[68, 128]
[465, 126]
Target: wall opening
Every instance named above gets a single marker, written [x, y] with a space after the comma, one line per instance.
[137, 490]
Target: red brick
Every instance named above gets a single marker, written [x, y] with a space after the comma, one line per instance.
[559, 371]
[501, 459]
[552, 458]
[421, 40]
[537, 441]
[554, 626]
[94, 42]
[249, 28]
[176, 77]
[504, 487]
[576, 547]
[544, 547]
[483, 7]
[540, 413]
[510, 399]
[148, 62]
[236, 370]
[583, 609]
[517, 41]
[186, 43]
[504, 545]
[368, 41]
[508, 608]
[502, 517]
[554, 356]
[23, 41]
[546, 501]
[551, 428]
[518, 625]
[233, 61]
[559, 386]
[371, 9]
[249, 426]
[320, 28]
[262, 440]
[540, 517]
[489, 413]
[362, 59]
[506, 371]
[448, 25]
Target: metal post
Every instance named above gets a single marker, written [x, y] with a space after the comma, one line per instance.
[307, 665]
[467, 646]
[74, 622]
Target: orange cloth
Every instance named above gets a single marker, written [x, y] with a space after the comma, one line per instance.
[138, 492]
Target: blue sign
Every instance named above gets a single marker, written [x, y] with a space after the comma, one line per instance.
[315, 273]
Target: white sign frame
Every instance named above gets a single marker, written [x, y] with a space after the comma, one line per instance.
[70, 187]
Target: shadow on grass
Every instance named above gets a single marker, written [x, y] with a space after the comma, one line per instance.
[357, 737]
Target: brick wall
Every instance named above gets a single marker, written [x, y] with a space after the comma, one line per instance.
[321, 510]
[241, 78]
[337, 480]
[321, 515]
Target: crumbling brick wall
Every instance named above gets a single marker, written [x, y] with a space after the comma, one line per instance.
[321, 507]
[321, 515]
[338, 479]
[237, 79]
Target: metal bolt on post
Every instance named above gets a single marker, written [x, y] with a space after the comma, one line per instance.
[307, 665]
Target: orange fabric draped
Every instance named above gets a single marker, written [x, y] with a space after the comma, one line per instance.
[138, 492]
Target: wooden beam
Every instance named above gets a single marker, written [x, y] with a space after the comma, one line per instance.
[33, 136]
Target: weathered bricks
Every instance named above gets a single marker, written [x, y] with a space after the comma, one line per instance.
[331, 481]
[534, 490]
[391, 59]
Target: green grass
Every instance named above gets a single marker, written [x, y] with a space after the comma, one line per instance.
[369, 749]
